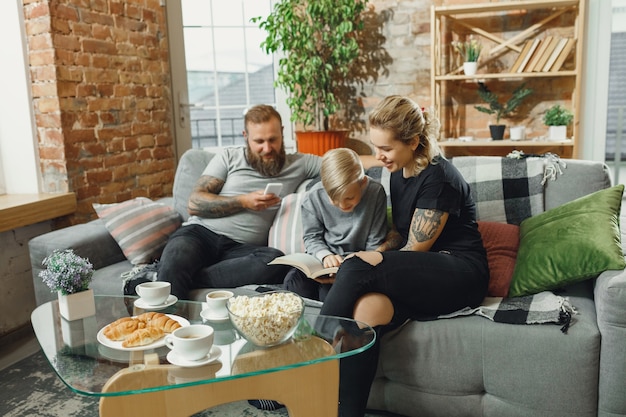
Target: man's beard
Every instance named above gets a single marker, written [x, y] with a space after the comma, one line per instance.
[267, 168]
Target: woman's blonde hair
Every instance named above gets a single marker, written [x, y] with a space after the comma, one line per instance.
[340, 168]
[407, 121]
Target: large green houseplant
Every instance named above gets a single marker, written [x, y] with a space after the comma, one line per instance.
[500, 110]
[318, 40]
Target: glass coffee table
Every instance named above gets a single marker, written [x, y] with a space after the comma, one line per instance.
[302, 373]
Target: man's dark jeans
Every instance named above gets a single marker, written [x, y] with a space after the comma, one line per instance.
[196, 257]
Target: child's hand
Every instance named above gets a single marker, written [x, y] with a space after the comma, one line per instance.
[332, 260]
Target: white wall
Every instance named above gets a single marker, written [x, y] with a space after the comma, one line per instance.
[19, 171]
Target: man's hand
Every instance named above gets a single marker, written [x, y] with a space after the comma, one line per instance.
[259, 201]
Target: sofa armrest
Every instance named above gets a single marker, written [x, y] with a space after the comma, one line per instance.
[90, 240]
[610, 299]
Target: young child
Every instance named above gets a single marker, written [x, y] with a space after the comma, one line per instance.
[345, 213]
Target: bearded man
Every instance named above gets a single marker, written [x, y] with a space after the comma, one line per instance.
[223, 244]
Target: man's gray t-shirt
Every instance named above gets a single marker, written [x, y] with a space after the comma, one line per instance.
[250, 226]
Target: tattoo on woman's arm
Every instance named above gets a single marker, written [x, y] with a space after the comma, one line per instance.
[424, 226]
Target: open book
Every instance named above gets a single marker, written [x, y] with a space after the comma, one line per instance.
[306, 263]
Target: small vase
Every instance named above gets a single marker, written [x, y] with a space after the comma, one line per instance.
[469, 68]
[557, 133]
[78, 305]
[497, 131]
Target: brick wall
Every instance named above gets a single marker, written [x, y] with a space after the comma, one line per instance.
[101, 88]
[101, 91]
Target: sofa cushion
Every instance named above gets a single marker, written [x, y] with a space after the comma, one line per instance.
[505, 190]
[286, 231]
[139, 226]
[570, 243]
[501, 242]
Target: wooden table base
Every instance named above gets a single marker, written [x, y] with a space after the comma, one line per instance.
[306, 391]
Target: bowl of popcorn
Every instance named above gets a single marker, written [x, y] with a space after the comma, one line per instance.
[266, 319]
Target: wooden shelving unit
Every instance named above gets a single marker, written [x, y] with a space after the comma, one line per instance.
[447, 79]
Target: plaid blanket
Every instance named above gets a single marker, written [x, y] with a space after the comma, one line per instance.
[506, 190]
[544, 307]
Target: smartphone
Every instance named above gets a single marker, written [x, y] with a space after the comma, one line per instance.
[273, 188]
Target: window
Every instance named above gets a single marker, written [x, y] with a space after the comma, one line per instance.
[226, 69]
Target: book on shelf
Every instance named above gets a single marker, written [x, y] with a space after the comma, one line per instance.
[529, 54]
[563, 55]
[309, 264]
[554, 54]
[543, 43]
[521, 56]
[545, 55]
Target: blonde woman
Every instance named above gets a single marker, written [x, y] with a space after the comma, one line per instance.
[436, 262]
[344, 213]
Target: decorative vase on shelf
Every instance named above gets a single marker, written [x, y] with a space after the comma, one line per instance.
[469, 68]
[497, 131]
[77, 306]
[557, 133]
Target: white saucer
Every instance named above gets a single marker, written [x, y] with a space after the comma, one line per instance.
[171, 300]
[213, 355]
[207, 315]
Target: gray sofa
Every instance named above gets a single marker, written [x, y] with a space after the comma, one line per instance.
[465, 366]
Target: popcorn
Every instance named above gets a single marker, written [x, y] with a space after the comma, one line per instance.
[266, 319]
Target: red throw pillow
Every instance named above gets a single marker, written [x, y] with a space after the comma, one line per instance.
[501, 241]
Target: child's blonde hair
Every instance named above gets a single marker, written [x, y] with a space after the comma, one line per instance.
[341, 167]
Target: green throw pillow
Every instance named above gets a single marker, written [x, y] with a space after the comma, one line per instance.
[570, 243]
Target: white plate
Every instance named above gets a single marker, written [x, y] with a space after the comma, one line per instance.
[114, 344]
[213, 355]
[207, 315]
[171, 300]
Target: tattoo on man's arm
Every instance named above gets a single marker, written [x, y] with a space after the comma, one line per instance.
[215, 207]
[424, 226]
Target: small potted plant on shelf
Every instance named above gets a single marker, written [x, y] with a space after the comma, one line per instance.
[70, 275]
[557, 118]
[498, 109]
[469, 51]
[319, 40]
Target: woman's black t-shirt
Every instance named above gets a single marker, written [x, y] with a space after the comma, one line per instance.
[440, 187]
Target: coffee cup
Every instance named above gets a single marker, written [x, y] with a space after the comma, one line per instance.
[191, 342]
[216, 303]
[154, 293]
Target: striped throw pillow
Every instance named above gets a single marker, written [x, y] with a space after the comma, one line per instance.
[286, 231]
[140, 227]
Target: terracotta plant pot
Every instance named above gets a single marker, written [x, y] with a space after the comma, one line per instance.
[497, 131]
[319, 142]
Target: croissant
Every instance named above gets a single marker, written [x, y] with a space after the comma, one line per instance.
[120, 330]
[149, 316]
[164, 323]
[143, 337]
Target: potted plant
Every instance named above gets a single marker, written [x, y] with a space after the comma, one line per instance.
[469, 51]
[500, 110]
[70, 275]
[557, 118]
[319, 42]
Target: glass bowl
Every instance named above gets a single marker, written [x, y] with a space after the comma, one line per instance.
[266, 319]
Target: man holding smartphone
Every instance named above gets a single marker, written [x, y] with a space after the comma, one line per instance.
[223, 244]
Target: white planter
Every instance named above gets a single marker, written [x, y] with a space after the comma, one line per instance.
[77, 306]
[469, 68]
[557, 133]
[517, 132]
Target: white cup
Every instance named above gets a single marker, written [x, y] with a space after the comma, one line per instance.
[154, 293]
[191, 342]
[216, 302]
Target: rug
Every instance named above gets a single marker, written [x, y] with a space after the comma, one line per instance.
[30, 388]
